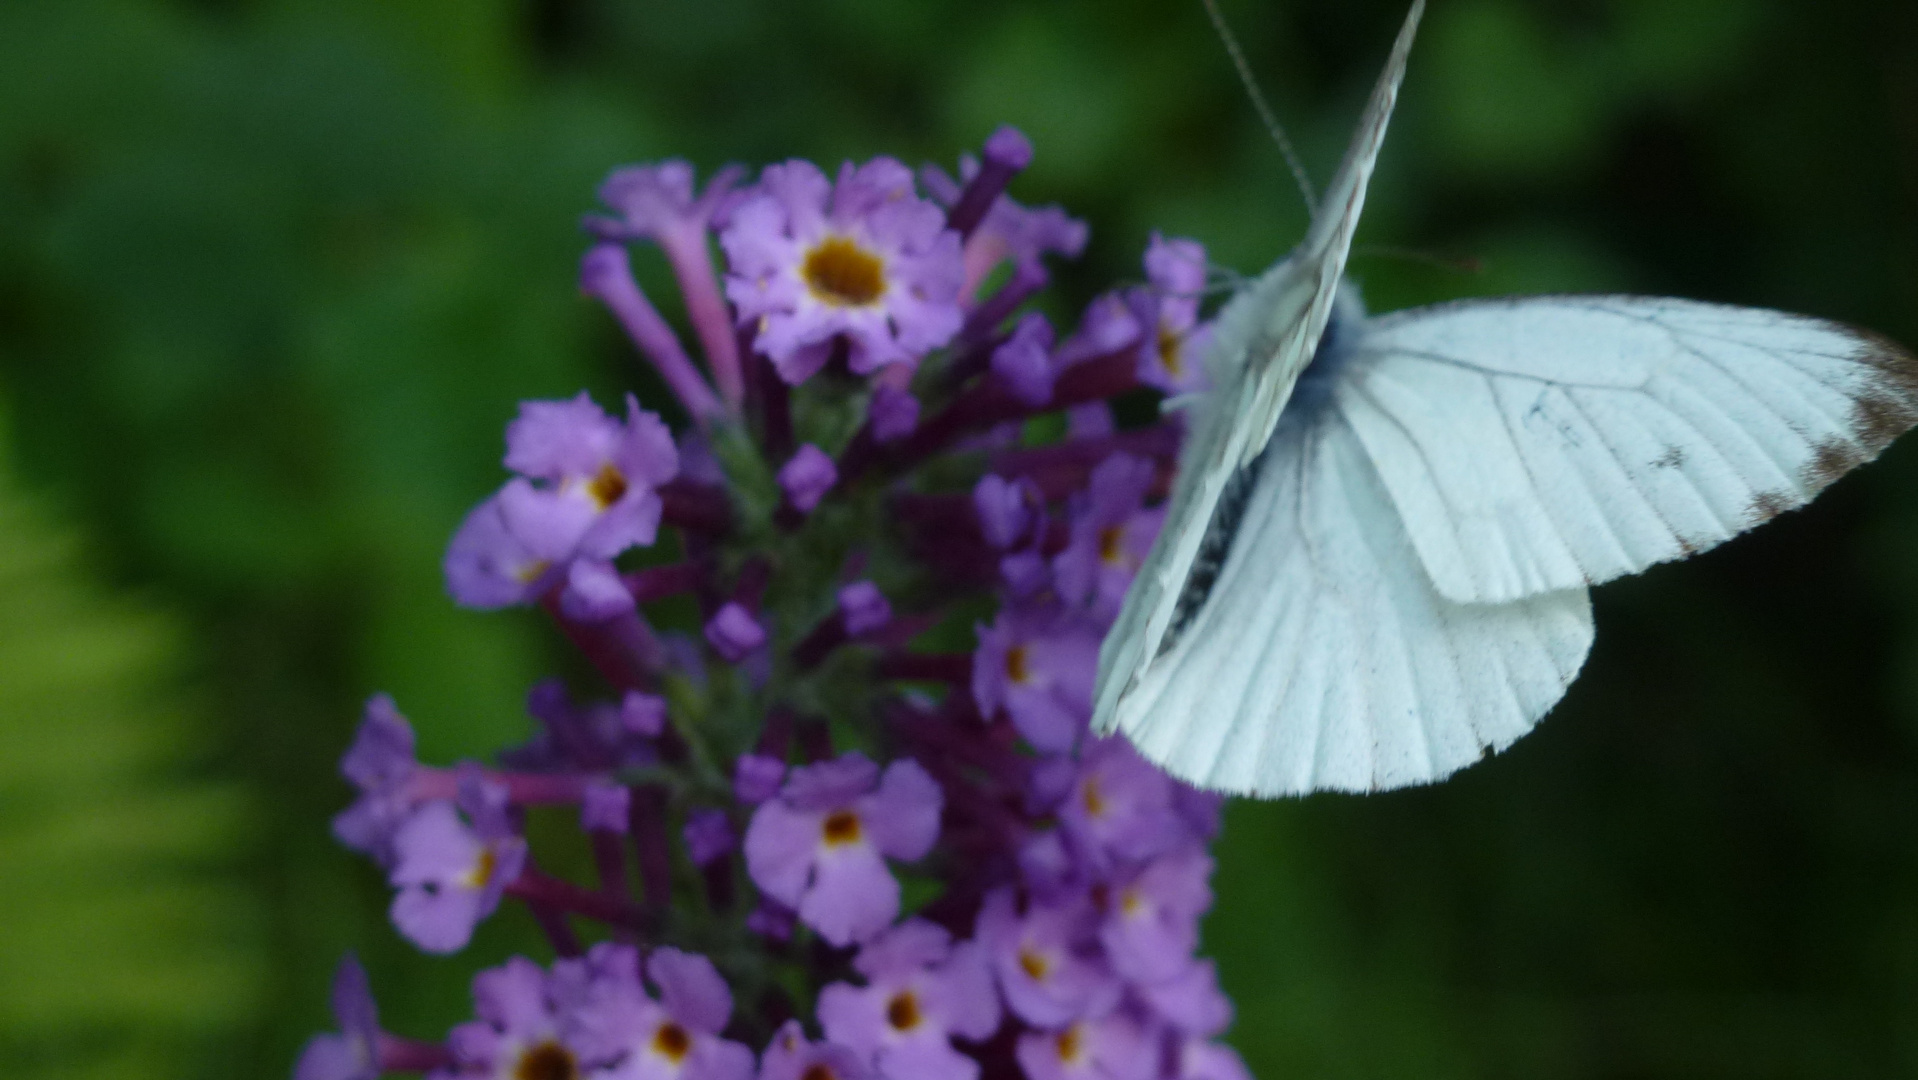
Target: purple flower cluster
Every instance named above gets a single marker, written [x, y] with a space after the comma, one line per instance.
[816, 847]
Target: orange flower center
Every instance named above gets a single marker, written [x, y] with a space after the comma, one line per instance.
[841, 273]
[1034, 964]
[482, 871]
[1112, 544]
[1094, 799]
[1171, 348]
[841, 827]
[1016, 668]
[818, 1070]
[1070, 1045]
[607, 488]
[672, 1043]
[546, 1061]
[902, 1012]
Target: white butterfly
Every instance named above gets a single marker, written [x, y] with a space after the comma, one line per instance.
[1373, 570]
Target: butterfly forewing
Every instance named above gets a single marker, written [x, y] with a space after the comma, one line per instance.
[1544, 443]
[1266, 337]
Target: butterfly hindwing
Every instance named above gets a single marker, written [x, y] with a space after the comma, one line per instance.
[1325, 659]
[1545, 443]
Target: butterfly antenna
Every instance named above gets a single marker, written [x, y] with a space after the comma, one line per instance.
[1272, 125]
[1466, 265]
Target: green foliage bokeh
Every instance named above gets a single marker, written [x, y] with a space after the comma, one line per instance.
[273, 274]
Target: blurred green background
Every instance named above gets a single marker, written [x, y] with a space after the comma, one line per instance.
[273, 274]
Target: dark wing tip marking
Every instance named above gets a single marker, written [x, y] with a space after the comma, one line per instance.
[1889, 406]
[1885, 408]
[1835, 457]
[1768, 505]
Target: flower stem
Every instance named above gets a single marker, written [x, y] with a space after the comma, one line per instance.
[411, 1055]
[537, 887]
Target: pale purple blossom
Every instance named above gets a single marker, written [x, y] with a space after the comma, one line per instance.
[1121, 808]
[1198, 1059]
[921, 990]
[1039, 668]
[381, 764]
[791, 1056]
[1007, 509]
[450, 876]
[487, 566]
[1110, 325]
[353, 1053]
[1151, 922]
[1053, 935]
[1046, 959]
[1109, 1047]
[587, 491]
[1112, 532]
[1190, 1001]
[820, 848]
[675, 1036]
[519, 1030]
[862, 260]
[1173, 343]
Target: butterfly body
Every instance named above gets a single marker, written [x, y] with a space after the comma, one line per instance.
[1375, 564]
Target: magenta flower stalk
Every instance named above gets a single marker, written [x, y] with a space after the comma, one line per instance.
[606, 274]
[657, 203]
[820, 837]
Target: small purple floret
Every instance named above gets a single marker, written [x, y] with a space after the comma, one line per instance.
[733, 632]
[605, 807]
[381, 764]
[642, 713]
[864, 608]
[353, 1053]
[756, 778]
[1023, 365]
[894, 413]
[807, 476]
[709, 836]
